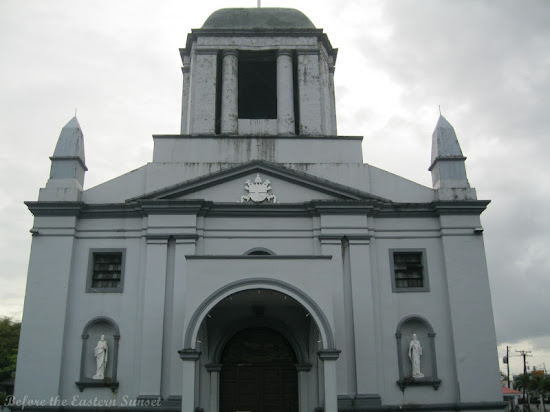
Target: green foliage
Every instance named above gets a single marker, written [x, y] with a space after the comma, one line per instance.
[540, 384]
[9, 341]
[522, 382]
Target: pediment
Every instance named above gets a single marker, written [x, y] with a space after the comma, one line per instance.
[258, 182]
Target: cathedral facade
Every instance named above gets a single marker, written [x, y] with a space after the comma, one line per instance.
[257, 264]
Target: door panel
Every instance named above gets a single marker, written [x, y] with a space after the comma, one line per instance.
[258, 373]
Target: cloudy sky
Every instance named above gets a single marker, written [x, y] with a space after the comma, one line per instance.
[486, 63]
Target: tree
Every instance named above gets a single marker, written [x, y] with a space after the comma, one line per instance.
[523, 383]
[541, 385]
[9, 341]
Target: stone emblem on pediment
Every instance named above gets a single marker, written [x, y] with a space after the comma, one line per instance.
[258, 191]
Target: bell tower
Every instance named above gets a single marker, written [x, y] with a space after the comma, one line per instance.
[258, 71]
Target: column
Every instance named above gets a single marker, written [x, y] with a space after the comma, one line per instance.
[303, 369]
[214, 370]
[285, 93]
[189, 358]
[230, 92]
[329, 357]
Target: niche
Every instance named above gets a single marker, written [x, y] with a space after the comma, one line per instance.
[409, 326]
[91, 335]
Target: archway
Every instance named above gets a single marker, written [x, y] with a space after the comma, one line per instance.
[258, 373]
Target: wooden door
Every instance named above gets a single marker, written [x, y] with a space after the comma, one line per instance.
[258, 373]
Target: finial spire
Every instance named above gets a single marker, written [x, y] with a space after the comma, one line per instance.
[447, 164]
[68, 166]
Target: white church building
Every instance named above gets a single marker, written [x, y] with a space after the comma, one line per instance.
[256, 263]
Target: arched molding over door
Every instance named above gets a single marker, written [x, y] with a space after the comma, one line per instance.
[190, 336]
[254, 322]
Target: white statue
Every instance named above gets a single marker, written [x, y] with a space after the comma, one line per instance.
[415, 351]
[100, 352]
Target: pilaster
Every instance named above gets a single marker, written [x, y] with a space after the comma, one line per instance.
[303, 393]
[49, 276]
[153, 318]
[202, 103]
[184, 246]
[474, 338]
[329, 358]
[332, 245]
[189, 358]
[364, 325]
[214, 370]
[309, 94]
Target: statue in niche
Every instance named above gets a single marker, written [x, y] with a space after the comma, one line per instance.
[100, 352]
[415, 351]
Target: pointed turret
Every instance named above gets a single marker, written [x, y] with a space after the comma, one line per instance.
[448, 164]
[68, 166]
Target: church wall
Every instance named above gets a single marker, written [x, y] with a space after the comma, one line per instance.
[370, 344]
[230, 149]
[431, 306]
[119, 189]
[123, 308]
[155, 176]
[235, 236]
[48, 282]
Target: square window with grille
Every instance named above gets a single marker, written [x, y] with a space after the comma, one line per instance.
[409, 271]
[106, 271]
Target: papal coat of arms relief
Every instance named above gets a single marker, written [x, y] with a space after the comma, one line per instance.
[257, 191]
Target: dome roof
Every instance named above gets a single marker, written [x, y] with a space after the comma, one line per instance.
[258, 18]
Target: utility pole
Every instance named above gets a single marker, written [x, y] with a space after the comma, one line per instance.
[508, 365]
[524, 353]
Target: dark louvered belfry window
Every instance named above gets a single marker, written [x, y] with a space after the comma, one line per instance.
[409, 272]
[107, 270]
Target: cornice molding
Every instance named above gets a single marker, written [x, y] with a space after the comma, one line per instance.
[145, 207]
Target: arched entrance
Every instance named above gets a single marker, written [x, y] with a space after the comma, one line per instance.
[258, 373]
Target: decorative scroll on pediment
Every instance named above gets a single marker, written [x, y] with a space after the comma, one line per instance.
[258, 191]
